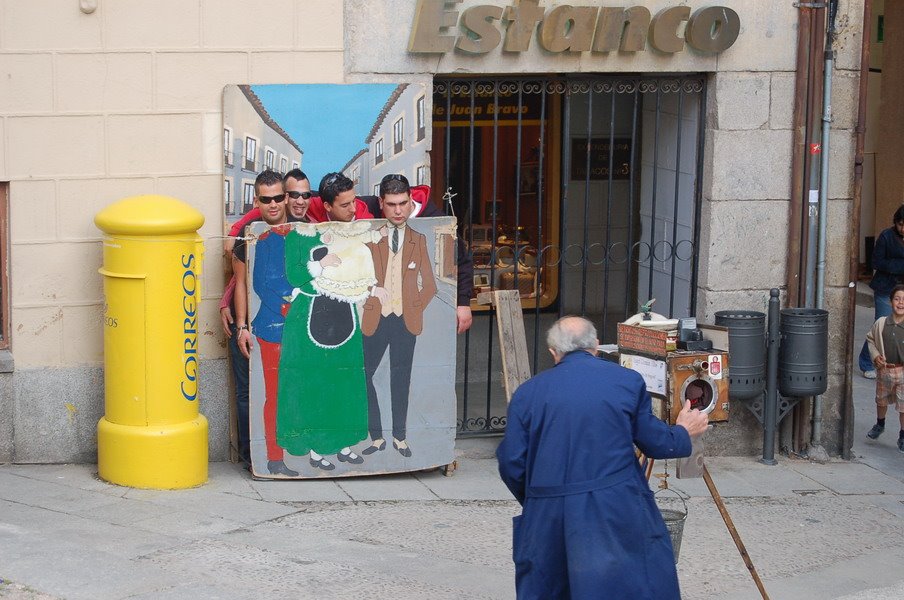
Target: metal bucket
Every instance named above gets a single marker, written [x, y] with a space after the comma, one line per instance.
[674, 521]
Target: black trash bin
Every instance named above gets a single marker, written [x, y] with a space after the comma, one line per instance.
[747, 346]
[804, 350]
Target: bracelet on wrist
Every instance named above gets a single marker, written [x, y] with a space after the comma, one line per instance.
[241, 327]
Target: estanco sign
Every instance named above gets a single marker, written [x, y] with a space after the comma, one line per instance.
[569, 28]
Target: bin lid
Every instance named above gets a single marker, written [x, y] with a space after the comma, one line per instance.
[149, 215]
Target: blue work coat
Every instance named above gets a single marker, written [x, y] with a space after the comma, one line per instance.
[589, 526]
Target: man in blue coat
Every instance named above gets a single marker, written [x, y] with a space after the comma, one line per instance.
[589, 527]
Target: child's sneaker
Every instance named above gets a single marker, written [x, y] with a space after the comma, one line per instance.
[876, 431]
[871, 374]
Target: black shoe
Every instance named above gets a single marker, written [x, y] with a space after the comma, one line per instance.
[322, 464]
[403, 450]
[278, 467]
[375, 447]
[901, 444]
[875, 432]
[351, 458]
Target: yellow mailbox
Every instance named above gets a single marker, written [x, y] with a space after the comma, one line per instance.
[151, 435]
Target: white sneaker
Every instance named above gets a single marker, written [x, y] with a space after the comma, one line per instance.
[871, 374]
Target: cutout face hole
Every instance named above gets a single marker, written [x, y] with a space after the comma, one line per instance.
[699, 393]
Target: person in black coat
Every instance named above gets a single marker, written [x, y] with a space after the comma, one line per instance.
[888, 262]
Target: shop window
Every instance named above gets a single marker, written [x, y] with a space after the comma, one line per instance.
[250, 153]
[397, 135]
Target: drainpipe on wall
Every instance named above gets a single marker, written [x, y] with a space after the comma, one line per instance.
[847, 405]
[816, 449]
[798, 154]
[795, 432]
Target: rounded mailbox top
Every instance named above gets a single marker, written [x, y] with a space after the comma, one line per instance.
[149, 215]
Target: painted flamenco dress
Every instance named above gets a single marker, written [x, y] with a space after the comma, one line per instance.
[322, 398]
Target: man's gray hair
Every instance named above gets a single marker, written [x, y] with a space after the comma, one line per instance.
[571, 333]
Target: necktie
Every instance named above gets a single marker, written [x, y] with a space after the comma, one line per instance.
[395, 240]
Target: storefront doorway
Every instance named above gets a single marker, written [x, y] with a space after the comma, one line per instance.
[580, 192]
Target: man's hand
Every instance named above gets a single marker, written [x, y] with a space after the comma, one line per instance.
[880, 362]
[464, 318]
[330, 260]
[694, 421]
[381, 294]
[226, 319]
[383, 231]
[244, 342]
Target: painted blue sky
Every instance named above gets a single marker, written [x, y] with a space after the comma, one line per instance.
[328, 122]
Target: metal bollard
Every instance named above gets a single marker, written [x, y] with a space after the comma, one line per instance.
[152, 434]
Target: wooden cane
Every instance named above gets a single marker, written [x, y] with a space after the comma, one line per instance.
[734, 533]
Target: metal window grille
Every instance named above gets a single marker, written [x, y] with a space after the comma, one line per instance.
[581, 192]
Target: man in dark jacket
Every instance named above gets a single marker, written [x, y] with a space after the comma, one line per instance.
[589, 527]
[888, 262]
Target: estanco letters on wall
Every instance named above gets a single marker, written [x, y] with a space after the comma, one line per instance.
[570, 28]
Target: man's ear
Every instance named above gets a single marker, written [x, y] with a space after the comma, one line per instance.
[555, 357]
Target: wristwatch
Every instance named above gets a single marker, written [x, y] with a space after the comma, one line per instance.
[241, 327]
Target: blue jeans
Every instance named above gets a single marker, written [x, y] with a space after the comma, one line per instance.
[240, 375]
[883, 309]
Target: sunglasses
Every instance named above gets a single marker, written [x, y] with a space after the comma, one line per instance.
[269, 199]
[297, 195]
[395, 177]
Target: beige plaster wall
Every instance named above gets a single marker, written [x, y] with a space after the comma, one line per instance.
[125, 101]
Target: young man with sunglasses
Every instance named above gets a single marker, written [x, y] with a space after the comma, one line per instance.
[272, 287]
[298, 192]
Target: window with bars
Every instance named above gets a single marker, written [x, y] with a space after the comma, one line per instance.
[421, 118]
[228, 200]
[398, 134]
[250, 153]
[247, 196]
[227, 146]
[581, 193]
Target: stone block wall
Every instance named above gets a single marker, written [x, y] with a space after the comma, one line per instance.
[746, 190]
